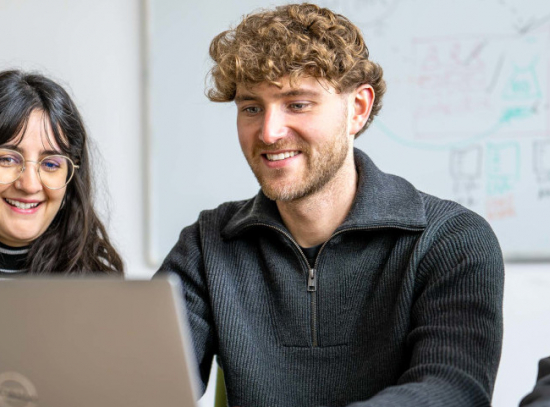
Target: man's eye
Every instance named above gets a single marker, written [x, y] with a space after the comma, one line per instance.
[298, 106]
[251, 109]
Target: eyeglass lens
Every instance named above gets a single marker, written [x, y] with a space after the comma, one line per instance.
[55, 171]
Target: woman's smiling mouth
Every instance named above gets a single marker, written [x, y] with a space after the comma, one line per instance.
[22, 205]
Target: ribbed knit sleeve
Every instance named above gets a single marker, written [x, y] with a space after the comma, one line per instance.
[540, 396]
[456, 333]
[185, 259]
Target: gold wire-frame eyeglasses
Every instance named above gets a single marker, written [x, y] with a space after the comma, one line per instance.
[54, 171]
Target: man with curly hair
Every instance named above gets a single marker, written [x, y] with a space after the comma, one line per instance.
[337, 284]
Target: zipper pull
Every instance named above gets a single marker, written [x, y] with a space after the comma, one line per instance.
[311, 281]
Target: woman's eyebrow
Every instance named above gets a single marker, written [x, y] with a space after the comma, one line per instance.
[10, 147]
[51, 152]
[15, 147]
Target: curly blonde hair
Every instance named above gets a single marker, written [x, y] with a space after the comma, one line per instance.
[294, 40]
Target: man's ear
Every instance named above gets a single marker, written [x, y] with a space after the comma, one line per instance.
[362, 106]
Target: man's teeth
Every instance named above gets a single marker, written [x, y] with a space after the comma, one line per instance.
[22, 205]
[281, 156]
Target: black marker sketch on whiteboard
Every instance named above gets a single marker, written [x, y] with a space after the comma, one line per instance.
[496, 74]
[533, 24]
[541, 162]
[524, 15]
[526, 19]
[466, 172]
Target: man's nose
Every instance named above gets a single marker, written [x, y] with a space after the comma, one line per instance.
[29, 181]
[273, 126]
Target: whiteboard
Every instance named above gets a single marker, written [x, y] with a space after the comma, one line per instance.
[466, 115]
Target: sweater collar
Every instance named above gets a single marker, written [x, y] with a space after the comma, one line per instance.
[382, 200]
[14, 251]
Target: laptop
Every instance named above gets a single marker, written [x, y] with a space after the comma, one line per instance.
[95, 342]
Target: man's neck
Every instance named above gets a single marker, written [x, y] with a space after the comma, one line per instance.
[312, 219]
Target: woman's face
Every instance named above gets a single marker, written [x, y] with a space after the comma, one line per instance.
[27, 207]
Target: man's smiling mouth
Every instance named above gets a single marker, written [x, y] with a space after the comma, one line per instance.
[281, 156]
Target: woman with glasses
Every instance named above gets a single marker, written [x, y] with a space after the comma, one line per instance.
[47, 220]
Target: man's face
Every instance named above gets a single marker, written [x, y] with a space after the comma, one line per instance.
[295, 139]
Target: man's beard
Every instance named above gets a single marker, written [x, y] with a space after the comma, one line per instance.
[320, 167]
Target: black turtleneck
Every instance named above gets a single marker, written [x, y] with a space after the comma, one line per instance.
[12, 260]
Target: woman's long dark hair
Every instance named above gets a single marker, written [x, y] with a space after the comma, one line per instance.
[76, 242]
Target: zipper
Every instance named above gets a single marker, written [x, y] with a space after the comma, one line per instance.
[312, 288]
[312, 271]
[311, 281]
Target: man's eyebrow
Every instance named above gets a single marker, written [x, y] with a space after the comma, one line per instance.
[245, 97]
[289, 93]
[299, 92]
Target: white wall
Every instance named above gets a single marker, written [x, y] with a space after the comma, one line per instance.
[93, 48]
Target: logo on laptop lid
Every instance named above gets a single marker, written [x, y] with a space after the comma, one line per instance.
[17, 391]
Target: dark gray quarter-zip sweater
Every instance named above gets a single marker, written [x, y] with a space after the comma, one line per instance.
[403, 306]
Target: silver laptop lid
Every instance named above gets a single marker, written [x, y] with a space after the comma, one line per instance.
[89, 342]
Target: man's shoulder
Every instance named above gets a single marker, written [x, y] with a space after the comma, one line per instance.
[450, 224]
[207, 228]
[439, 209]
[221, 215]
[441, 213]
